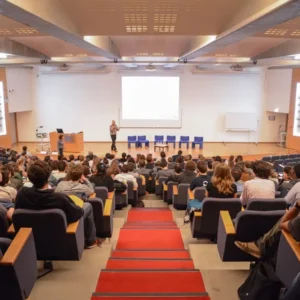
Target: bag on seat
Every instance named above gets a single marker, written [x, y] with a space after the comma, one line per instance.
[261, 284]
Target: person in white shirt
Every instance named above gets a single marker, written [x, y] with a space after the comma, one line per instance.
[124, 176]
[260, 187]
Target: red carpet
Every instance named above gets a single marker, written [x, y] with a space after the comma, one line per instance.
[150, 261]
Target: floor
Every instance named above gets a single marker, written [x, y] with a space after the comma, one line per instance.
[77, 280]
[249, 150]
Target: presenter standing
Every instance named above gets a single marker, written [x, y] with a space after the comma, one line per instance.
[113, 128]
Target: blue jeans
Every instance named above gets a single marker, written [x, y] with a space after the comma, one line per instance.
[89, 225]
[7, 205]
[294, 292]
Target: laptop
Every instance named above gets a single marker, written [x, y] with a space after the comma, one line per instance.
[59, 130]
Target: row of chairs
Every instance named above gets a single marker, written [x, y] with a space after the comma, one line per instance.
[280, 163]
[272, 158]
[138, 141]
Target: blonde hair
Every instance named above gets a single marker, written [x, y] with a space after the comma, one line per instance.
[222, 179]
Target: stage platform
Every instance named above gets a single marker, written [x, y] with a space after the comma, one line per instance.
[248, 150]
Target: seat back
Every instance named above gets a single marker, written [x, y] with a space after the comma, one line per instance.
[251, 225]
[171, 138]
[141, 138]
[159, 138]
[49, 231]
[101, 192]
[199, 193]
[97, 204]
[170, 189]
[266, 204]
[198, 139]
[183, 197]
[211, 208]
[3, 222]
[18, 279]
[130, 190]
[184, 138]
[150, 166]
[171, 165]
[131, 138]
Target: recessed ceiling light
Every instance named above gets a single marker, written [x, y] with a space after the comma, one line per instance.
[276, 109]
[297, 56]
[3, 55]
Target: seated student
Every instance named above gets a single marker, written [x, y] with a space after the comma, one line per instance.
[162, 156]
[202, 178]
[287, 175]
[123, 159]
[164, 172]
[132, 171]
[14, 181]
[218, 158]
[238, 159]
[27, 153]
[260, 187]
[201, 157]
[87, 172]
[71, 158]
[188, 175]
[102, 179]
[267, 245]
[141, 170]
[285, 187]
[222, 184]
[40, 196]
[47, 159]
[210, 171]
[175, 176]
[75, 183]
[7, 193]
[61, 167]
[179, 153]
[124, 176]
[180, 160]
[150, 163]
[230, 159]
[237, 175]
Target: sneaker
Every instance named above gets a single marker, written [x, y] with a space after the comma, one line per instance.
[93, 245]
[249, 248]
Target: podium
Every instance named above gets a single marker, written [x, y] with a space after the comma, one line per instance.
[73, 142]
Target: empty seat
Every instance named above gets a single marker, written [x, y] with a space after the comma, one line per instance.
[205, 223]
[249, 227]
[142, 140]
[158, 139]
[169, 194]
[198, 140]
[184, 140]
[159, 185]
[171, 139]
[199, 193]
[132, 140]
[266, 204]
[181, 196]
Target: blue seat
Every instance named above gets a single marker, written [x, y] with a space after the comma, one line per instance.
[171, 139]
[132, 140]
[142, 140]
[184, 140]
[158, 139]
[198, 140]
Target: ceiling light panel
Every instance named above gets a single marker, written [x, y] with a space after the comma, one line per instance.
[276, 32]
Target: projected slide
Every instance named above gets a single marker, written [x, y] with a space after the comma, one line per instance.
[150, 98]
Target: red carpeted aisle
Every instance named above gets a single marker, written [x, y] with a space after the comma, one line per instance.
[150, 261]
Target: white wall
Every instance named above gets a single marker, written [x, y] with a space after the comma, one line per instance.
[88, 102]
[20, 86]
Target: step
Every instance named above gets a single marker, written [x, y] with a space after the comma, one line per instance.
[130, 264]
[144, 281]
[151, 254]
[191, 296]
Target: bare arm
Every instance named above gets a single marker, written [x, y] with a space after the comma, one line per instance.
[291, 214]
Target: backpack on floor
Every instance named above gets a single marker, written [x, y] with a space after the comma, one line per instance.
[193, 205]
[261, 284]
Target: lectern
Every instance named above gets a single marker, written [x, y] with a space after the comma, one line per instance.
[73, 142]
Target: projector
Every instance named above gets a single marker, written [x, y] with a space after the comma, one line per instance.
[236, 68]
[150, 68]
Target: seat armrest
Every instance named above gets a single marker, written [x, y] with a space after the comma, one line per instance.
[197, 214]
[11, 229]
[156, 182]
[92, 196]
[292, 243]
[143, 180]
[72, 227]
[165, 187]
[175, 190]
[191, 195]
[111, 195]
[107, 211]
[16, 247]
[227, 221]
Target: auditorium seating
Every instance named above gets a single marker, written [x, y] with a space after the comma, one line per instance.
[197, 141]
[249, 226]
[158, 139]
[18, 267]
[168, 195]
[121, 199]
[3, 222]
[103, 216]
[288, 259]
[54, 238]
[199, 193]
[205, 223]
[171, 139]
[132, 140]
[184, 140]
[181, 196]
[159, 185]
[142, 140]
[171, 165]
[141, 181]
[266, 204]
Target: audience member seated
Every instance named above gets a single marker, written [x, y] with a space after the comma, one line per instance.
[202, 178]
[237, 175]
[124, 176]
[164, 172]
[274, 178]
[47, 159]
[222, 184]
[210, 171]
[267, 245]
[123, 159]
[188, 175]
[61, 167]
[294, 193]
[102, 179]
[87, 172]
[229, 160]
[15, 181]
[141, 170]
[175, 176]
[238, 159]
[71, 158]
[289, 180]
[7, 193]
[132, 171]
[80, 159]
[149, 164]
[40, 196]
[218, 158]
[260, 187]
[201, 157]
[162, 156]
[75, 183]
[25, 150]
[179, 153]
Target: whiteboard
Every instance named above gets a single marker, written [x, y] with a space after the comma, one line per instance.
[241, 121]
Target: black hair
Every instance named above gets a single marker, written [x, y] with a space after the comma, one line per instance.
[39, 173]
[262, 169]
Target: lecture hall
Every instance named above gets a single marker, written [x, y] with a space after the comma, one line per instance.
[149, 149]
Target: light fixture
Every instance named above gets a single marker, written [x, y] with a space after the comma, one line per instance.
[3, 55]
[297, 56]
[150, 67]
[276, 109]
